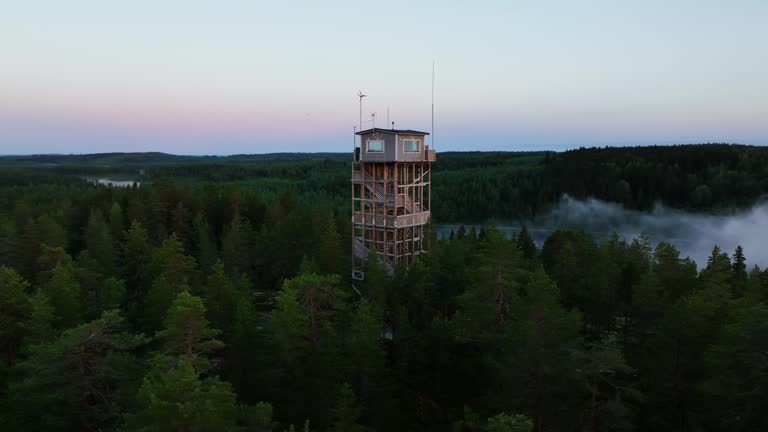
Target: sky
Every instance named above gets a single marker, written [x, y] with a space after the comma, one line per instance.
[225, 77]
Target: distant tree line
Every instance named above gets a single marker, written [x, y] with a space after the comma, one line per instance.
[700, 177]
[468, 187]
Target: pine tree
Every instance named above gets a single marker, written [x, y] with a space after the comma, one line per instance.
[346, 411]
[177, 399]
[14, 309]
[83, 380]
[50, 258]
[608, 398]
[319, 295]
[186, 332]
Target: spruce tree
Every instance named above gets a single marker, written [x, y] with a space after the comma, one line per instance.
[14, 309]
[206, 252]
[136, 255]
[116, 221]
[66, 297]
[739, 269]
[99, 242]
[220, 297]
[175, 273]
[38, 327]
[329, 253]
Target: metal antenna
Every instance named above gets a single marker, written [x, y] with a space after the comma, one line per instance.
[373, 120]
[361, 95]
[387, 114]
[433, 103]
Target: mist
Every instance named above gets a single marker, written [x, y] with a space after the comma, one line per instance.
[694, 234]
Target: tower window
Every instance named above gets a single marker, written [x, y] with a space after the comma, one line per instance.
[375, 146]
[411, 145]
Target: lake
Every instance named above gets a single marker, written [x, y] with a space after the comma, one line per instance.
[115, 183]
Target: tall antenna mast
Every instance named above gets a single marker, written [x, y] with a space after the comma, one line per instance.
[361, 95]
[373, 120]
[388, 114]
[433, 103]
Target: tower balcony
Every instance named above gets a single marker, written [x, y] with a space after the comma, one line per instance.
[430, 155]
[390, 221]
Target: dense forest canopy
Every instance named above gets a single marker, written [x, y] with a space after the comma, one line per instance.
[469, 187]
[216, 297]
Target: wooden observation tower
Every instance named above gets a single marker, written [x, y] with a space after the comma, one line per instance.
[391, 195]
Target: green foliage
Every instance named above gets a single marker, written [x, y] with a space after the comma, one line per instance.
[38, 327]
[14, 309]
[235, 247]
[509, 423]
[329, 252]
[686, 176]
[176, 272]
[290, 325]
[583, 334]
[256, 418]
[178, 400]
[64, 293]
[220, 297]
[206, 245]
[346, 411]
[186, 332]
[98, 240]
[83, 380]
[250, 356]
[136, 255]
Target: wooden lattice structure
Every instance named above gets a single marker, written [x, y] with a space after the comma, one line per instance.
[391, 196]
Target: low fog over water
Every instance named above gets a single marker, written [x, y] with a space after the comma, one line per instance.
[693, 234]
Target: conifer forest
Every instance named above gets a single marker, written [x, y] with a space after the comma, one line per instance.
[214, 294]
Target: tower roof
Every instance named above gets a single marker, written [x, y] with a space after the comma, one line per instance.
[393, 131]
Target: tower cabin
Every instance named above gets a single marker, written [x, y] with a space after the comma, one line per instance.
[391, 197]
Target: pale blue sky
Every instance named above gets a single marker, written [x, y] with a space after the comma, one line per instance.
[220, 77]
